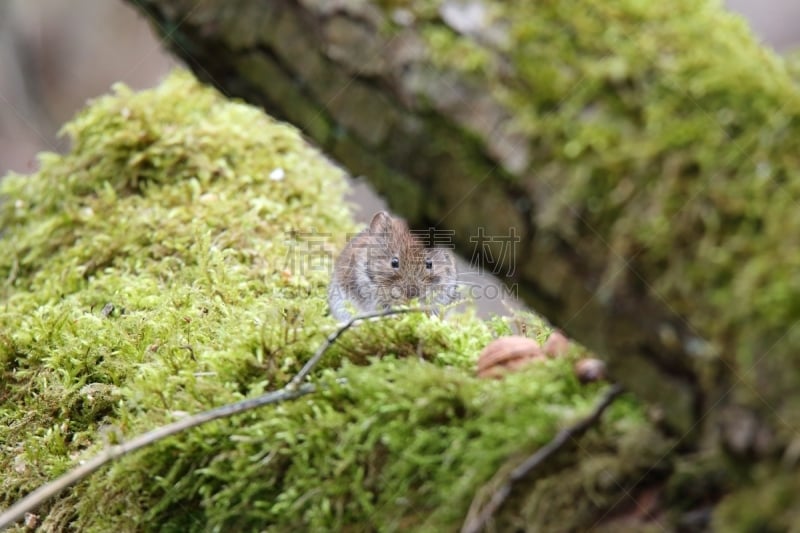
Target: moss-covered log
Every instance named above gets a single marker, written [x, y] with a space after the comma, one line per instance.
[647, 154]
[163, 266]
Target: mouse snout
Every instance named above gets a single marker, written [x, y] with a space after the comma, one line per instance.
[412, 291]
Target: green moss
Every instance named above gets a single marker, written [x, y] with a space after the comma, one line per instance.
[446, 49]
[770, 506]
[156, 269]
[669, 136]
[698, 481]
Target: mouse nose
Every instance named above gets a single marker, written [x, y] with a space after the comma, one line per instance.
[412, 292]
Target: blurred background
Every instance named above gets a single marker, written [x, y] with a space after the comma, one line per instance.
[56, 54]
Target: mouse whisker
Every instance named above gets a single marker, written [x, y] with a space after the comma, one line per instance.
[475, 275]
[460, 283]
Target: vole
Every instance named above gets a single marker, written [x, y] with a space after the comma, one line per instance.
[386, 265]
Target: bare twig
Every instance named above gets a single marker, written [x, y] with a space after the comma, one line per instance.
[294, 389]
[477, 518]
[311, 363]
[45, 492]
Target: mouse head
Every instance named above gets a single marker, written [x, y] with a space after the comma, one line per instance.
[400, 266]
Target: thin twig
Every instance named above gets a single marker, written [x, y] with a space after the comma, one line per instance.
[47, 491]
[478, 518]
[311, 363]
[294, 389]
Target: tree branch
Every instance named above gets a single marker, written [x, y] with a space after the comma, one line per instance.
[478, 518]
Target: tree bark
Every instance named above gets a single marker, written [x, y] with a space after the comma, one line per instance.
[645, 156]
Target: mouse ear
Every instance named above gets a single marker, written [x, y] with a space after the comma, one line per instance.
[380, 222]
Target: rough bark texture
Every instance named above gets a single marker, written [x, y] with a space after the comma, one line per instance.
[645, 154]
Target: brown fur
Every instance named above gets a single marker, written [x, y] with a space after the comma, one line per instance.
[365, 279]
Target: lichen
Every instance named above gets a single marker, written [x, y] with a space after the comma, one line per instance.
[162, 266]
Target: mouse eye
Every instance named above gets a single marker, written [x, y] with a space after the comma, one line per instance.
[428, 264]
[395, 262]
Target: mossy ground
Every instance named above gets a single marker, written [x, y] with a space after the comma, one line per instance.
[156, 270]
